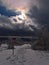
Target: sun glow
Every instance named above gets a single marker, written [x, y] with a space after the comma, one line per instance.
[22, 17]
[23, 13]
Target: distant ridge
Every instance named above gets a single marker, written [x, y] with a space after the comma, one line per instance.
[18, 32]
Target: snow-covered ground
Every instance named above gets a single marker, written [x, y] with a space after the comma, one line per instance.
[23, 55]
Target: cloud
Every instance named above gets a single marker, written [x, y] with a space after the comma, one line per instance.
[44, 11]
[20, 25]
[7, 23]
[40, 12]
[8, 10]
[43, 4]
[14, 4]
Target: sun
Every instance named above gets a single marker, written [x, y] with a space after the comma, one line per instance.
[22, 16]
[23, 13]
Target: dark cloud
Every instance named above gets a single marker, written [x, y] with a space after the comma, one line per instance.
[7, 23]
[44, 11]
[7, 27]
[6, 12]
[41, 13]
[44, 4]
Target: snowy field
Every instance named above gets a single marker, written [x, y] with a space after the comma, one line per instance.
[23, 55]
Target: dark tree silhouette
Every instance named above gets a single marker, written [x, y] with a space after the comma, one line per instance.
[43, 39]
